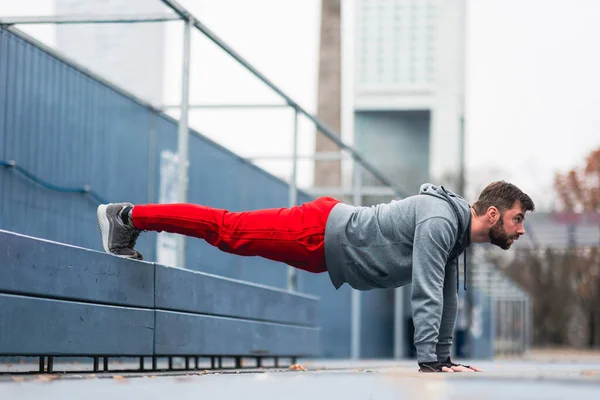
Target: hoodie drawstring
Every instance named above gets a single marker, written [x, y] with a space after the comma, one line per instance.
[464, 273]
[457, 275]
[465, 270]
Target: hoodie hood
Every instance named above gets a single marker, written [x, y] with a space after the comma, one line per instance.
[462, 210]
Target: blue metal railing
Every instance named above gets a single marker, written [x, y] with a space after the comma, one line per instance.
[85, 189]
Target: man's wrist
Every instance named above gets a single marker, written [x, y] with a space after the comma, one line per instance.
[442, 351]
[426, 352]
[431, 366]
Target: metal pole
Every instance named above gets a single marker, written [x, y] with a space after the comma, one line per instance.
[494, 325]
[462, 173]
[399, 336]
[528, 335]
[468, 278]
[88, 19]
[513, 339]
[502, 326]
[523, 334]
[227, 106]
[355, 332]
[293, 197]
[183, 134]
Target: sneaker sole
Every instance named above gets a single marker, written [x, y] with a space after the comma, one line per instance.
[104, 226]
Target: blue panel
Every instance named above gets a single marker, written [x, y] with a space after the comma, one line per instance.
[4, 65]
[180, 334]
[43, 268]
[184, 290]
[482, 333]
[34, 326]
[333, 314]
[377, 324]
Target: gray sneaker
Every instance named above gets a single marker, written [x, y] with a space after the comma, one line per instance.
[117, 238]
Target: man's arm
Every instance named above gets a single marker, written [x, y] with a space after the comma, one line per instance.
[450, 310]
[433, 241]
[449, 313]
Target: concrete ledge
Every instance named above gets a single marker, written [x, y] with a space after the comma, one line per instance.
[34, 326]
[57, 299]
[201, 293]
[32, 266]
[180, 334]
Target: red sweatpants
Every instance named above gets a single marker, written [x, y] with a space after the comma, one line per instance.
[295, 236]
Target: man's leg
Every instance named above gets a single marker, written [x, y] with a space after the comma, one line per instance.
[294, 235]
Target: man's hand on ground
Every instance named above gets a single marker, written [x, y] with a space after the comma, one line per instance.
[459, 367]
[464, 368]
[434, 366]
[447, 366]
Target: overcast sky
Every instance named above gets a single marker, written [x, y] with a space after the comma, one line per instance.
[533, 87]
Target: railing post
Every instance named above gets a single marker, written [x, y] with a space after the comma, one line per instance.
[356, 314]
[529, 323]
[523, 334]
[183, 134]
[293, 196]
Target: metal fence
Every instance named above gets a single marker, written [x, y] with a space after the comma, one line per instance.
[509, 306]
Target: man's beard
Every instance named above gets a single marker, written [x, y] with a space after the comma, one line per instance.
[498, 235]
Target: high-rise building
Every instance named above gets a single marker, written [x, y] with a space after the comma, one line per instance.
[129, 55]
[407, 91]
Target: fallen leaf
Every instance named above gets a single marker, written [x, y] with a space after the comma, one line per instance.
[120, 378]
[47, 378]
[296, 367]
[18, 379]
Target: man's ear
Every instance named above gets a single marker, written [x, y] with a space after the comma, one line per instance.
[493, 215]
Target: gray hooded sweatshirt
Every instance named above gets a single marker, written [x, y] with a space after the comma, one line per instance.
[417, 239]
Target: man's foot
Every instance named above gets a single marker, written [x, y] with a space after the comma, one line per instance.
[118, 238]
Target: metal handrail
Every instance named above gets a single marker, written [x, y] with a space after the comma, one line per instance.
[321, 126]
[85, 189]
[88, 19]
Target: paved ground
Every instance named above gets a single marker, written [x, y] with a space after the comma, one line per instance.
[531, 378]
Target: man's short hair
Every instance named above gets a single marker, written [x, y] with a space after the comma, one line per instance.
[503, 196]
